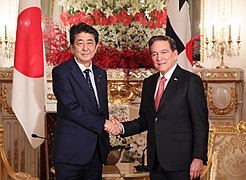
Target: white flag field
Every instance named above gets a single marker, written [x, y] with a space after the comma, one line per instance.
[178, 28]
[28, 75]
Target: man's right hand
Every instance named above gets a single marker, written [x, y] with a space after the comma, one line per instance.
[113, 127]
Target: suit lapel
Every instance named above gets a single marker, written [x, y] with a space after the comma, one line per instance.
[97, 78]
[79, 77]
[152, 90]
[171, 86]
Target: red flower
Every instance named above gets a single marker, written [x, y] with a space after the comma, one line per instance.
[158, 19]
[105, 21]
[58, 57]
[113, 19]
[139, 17]
[107, 57]
[97, 16]
[125, 18]
[81, 17]
[65, 18]
[88, 20]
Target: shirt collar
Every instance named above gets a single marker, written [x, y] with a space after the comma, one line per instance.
[169, 73]
[82, 67]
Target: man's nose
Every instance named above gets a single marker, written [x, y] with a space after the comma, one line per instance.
[84, 47]
[159, 57]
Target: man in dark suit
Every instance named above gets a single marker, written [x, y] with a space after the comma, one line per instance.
[176, 120]
[81, 144]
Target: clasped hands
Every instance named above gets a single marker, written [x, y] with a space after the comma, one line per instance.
[113, 127]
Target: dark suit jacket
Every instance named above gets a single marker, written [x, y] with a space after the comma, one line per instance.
[178, 132]
[79, 125]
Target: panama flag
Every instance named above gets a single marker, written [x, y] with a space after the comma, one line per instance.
[28, 75]
[178, 28]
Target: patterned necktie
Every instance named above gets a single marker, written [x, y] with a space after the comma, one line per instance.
[159, 92]
[88, 79]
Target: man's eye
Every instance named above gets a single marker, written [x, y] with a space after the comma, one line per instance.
[163, 52]
[153, 54]
[79, 42]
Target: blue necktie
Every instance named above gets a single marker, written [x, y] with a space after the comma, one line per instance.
[88, 79]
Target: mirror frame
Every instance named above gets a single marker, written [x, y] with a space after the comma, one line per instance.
[202, 31]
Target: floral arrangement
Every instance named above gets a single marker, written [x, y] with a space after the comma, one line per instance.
[56, 43]
[124, 28]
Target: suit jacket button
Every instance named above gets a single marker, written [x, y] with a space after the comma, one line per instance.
[156, 119]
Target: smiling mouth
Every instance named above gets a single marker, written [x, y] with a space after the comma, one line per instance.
[161, 63]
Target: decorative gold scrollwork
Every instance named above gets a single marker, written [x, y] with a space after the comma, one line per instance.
[138, 74]
[222, 75]
[6, 75]
[125, 87]
[230, 127]
[123, 92]
[4, 102]
[1, 100]
[51, 97]
[232, 105]
[241, 127]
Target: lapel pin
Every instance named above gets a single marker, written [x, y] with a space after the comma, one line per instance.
[99, 77]
[175, 79]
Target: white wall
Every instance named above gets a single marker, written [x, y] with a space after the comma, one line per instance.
[239, 13]
[8, 16]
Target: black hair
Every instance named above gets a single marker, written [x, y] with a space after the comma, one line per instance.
[83, 27]
[171, 41]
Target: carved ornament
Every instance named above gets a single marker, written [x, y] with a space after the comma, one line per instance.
[4, 102]
[51, 96]
[139, 74]
[231, 127]
[222, 75]
[123, 92]
[229, 108]
[6, 75]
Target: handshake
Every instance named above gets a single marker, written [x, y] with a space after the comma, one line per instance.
[113, 127]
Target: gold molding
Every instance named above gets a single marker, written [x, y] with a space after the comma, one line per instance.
[232, 105]
[125, 87]
[4, 102]
[1, 99]
[123, 92]
[202, 31]
[222, 75]
[121, 74]
[230, 127]
[51, 96]
[6, 75]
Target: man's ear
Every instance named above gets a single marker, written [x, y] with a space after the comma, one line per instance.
[71, 48]
[176, 52]
[97, 46]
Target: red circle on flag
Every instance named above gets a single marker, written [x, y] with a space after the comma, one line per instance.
[29, 57]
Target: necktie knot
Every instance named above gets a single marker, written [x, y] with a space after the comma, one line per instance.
[87, 71]
[162, 78]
